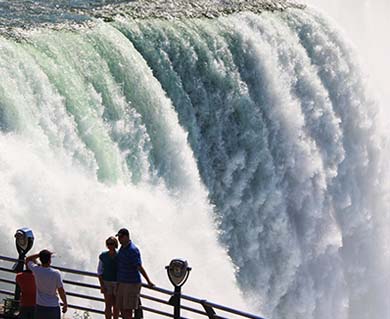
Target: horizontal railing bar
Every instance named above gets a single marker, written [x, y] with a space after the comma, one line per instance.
[158, 289]
[70, 282]
[6, 269]
[193, 310]
[142, 296]
[78, 295]
[6, 292]
[75, 294]
[84, 273]
[81, 284]
[220, 307]
[156, 299]
[102, 312]
[7, 281]
[168, 304]
[163, 313]
[230, 310]
[5, 258]
[208, 303]
[76, 272]
[9, 293]
[69, 270]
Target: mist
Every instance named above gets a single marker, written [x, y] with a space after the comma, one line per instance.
[366, 24]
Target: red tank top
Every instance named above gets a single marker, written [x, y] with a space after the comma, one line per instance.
[26, 282]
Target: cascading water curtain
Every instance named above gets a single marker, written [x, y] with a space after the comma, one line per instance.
[286, 139]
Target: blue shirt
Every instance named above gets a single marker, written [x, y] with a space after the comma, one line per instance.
[129, 258]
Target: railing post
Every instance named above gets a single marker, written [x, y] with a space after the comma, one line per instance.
[175, 302]
[209, 310]
[18, 268]
[176, 309]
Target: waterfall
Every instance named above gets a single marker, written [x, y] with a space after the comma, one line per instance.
[91, 143]
[248, 144]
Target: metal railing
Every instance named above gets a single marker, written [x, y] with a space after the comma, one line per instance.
[155, 298]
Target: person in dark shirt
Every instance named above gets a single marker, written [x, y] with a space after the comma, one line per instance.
[107, 270]
[129, 275]
[26, 282]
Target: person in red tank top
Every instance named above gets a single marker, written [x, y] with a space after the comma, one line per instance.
[26, 281]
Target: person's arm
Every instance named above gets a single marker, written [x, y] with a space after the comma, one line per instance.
[61, 292]
[143, 272]
[32, 258]
[100, 276]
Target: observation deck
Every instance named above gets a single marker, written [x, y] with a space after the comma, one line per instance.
[83, 295]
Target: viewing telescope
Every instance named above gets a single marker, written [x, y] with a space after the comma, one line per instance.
[24, 240]
[178, 272]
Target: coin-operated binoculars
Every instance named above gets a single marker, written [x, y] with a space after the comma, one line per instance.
[24, 240]
[178, 272]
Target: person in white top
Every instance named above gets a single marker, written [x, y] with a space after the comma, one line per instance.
[48, 282]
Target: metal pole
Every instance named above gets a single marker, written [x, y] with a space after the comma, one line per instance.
[19, 267]
[138, 313]
[176, 309]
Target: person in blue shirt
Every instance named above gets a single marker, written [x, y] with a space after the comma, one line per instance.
[107, 274]
[129, 273]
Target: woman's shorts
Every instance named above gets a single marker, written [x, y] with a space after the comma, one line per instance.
[110, 287]
[128, 296]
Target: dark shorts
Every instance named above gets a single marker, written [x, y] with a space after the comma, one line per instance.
[42, 312]
[27, 313]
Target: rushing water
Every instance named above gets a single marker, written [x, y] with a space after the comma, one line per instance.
[248, 144]
[366, 24]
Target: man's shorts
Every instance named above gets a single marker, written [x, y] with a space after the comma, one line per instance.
[27, 312]
[110, 287]
[42, 312]
[128, 296]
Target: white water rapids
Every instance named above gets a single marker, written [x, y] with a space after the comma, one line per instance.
[248, 144]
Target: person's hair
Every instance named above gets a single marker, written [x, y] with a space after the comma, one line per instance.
[112, 239]
[44, 257]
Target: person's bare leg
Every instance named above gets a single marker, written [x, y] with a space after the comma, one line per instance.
[108, 306]
[115, 309]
